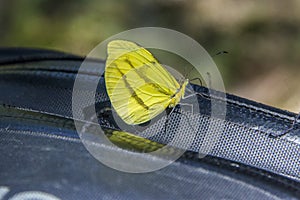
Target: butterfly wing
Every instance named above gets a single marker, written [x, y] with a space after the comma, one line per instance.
[138, 86]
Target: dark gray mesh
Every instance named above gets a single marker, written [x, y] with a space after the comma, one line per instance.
[245, 138]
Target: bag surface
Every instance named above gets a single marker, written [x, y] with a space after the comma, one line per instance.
[42, 153]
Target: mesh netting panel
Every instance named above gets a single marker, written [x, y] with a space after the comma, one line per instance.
[244, 137]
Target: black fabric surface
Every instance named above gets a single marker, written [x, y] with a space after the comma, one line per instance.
[41, 150]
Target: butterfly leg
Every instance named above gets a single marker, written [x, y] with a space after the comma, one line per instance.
[186, 117]
[192, 111]
[200, 81]
[166, 124]
[168, 119]
[187, 104]
[193, 93]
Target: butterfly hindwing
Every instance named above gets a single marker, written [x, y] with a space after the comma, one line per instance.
[138, 86]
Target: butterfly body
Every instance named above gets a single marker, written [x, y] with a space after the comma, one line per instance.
[175, 99]
[138, 86]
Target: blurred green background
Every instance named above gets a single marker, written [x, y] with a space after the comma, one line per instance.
[262, 37]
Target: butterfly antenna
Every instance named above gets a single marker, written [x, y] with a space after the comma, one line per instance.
[209, 79]
[168, 119]
[220, 53]
[187, 74]
[200, 81]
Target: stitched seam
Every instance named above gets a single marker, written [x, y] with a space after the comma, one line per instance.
[269, 176]
[235, 104]
[241, 105]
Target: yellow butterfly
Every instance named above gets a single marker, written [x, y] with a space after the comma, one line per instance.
[138, 86]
